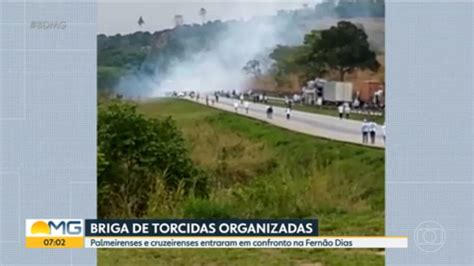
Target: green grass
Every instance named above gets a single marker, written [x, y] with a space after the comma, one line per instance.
[250, 257]
[260, 171]
[331, 111]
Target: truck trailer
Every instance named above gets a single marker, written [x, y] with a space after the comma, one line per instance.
[334, 91]
[366, 90]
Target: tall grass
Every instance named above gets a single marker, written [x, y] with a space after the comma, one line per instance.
[259, 171]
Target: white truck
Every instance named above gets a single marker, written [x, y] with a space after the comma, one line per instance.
[334, 91]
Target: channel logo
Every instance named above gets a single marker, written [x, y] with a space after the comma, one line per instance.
[54, 227]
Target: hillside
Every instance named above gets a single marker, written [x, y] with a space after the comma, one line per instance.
[152, 59]
[259, 171]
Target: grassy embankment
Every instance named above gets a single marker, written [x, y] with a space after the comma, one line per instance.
[260, 171]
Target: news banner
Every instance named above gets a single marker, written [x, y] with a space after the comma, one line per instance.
[186, 233]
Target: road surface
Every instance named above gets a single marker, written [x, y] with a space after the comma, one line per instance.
[309, 123]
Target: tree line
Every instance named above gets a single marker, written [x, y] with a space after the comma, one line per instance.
[342, 48]
[150, 53]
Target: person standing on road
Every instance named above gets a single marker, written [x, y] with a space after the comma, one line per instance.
[246, 105]
[241, 98]
[365, 131]
[207, 100]
[236, 107]
[288, 113]
[340, 109]
[269, 112]
[373, 132]
[347, 110]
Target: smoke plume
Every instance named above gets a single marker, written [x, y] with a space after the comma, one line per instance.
[217, 67]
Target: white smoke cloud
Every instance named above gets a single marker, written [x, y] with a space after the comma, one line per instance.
[218, 68]
[221, 66]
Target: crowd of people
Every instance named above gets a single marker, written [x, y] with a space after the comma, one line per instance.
[368, 128]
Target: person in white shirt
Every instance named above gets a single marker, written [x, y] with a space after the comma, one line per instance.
[236, 107]
[347, 110]
[246, 105]
[288, 113]
[356, 103]
[373, 132]
[365, 131]
[340, 109]
[319, 101]
[241, 98]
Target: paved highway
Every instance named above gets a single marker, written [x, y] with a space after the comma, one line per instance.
[309, 123]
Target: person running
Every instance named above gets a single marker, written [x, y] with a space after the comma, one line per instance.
[340, 109]
[236, 107]
[242, 98]
[246, 105]
[347, 110]
[288, 113]
[373, 132]
[217, 98]
[365, 131]
[207, 100]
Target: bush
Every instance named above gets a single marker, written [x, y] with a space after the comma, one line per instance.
[134, 152]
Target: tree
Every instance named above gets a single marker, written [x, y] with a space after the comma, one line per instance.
[325, 8]
[202, 13]
[253, 68]
[360, 8]
[289, 62]
[108, 77]
[133, 153]
[343, 48]
[140, 21]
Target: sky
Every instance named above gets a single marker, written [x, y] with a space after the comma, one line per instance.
[122, 16]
